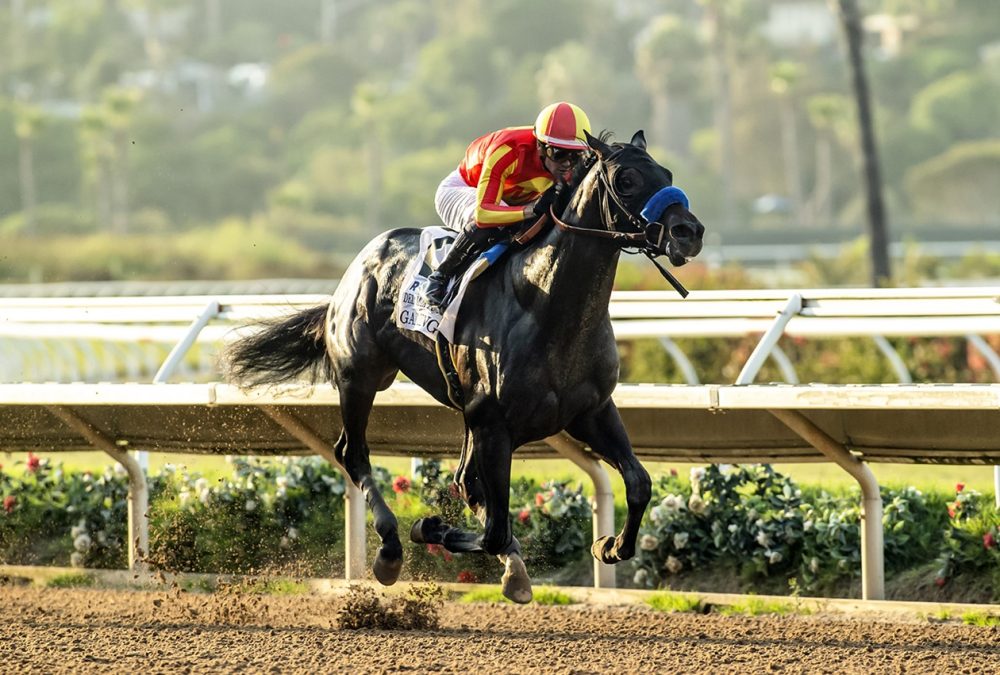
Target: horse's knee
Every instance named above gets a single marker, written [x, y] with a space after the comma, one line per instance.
[639, 488]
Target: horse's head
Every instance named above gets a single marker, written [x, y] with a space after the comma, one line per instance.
[646, 200]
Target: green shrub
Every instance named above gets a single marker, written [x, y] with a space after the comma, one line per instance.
[972, 540]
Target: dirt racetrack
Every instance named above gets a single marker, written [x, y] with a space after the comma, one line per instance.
[79, 631]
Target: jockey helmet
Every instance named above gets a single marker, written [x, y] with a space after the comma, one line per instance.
[562, 125]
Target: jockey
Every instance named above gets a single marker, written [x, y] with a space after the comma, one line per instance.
[506, 177]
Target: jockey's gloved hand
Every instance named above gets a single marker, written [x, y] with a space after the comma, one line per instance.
[545, 201]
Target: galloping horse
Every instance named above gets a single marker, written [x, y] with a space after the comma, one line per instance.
[533, 348]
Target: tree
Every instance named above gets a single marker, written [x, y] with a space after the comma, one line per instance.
[663, 56]
[97, 153]
[28, 120]
[785, 75]
[877, 229]
[827, 113]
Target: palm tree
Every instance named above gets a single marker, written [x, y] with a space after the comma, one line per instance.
[365, 106]
[28, 120]
[97, 154]
[785, 76]
[877, 229]
[717, 13]
[662, 52]
[119, 106]
[827, 113]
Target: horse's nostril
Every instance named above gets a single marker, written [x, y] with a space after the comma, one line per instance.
[681, 232]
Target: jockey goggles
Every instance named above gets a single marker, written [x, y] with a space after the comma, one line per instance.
[560, 155]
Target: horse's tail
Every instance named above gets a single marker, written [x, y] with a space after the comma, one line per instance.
[281, 351]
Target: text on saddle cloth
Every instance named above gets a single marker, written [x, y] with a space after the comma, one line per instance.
[412, 310]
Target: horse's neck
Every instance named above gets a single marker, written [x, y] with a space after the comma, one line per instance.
[570, 276]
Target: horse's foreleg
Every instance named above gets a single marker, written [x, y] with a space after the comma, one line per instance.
[355, 407]
[604, 432]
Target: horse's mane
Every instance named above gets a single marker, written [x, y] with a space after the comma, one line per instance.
[579, 173]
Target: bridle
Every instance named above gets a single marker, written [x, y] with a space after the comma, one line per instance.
[648, 236]
[649, 233]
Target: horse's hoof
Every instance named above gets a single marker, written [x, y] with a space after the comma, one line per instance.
[421, 527]
[516, 584]
[602, 550]
[386, 570]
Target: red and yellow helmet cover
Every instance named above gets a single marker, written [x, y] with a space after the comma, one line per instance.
[562, 125]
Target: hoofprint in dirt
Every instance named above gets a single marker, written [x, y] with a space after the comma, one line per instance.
[64, 631]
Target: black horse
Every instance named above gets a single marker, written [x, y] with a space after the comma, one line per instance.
[533, 348]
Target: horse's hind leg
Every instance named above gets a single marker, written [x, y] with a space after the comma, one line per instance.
[487, 478]
[484, 483]
[356, 402]
[604, 432]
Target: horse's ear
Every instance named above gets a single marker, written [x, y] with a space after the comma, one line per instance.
[600, 147]
[639, 140]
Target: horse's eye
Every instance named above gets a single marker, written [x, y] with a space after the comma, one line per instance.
[626, 181]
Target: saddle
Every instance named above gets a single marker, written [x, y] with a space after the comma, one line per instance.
[413, 314]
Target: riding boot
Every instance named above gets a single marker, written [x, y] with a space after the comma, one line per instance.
[465, 247]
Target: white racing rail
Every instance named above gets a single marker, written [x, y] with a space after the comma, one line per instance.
[844, 424]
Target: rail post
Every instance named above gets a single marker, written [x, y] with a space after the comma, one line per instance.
[603, 504]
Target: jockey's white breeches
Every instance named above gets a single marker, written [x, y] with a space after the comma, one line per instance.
[455, 201]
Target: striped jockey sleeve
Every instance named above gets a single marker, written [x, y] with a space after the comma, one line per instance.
[500, 164]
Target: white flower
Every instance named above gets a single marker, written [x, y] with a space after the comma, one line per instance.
[293, 533]
[807, 526]
[672, 503]
[280, 493]
[201, 484]
[285, 542]
[78, 529]
[697, 505]
[119, 470]
[648, 542]
[183, 497]
[798, 494]
[787, 491]
[774, 557]
[814, 565]
[751, 515]
[725, 469]
[697, 473]
[759, 523]
[641, 577]
[733, 527]
[102, 538]
[76, 559]
[82, 543]
[674, 565]
[680, 540]
[763, 539]
[281, 481]
[250, 505]
[205, 496]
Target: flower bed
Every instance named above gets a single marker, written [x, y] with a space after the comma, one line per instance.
[287, 515]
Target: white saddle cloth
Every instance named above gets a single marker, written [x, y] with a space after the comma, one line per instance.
[412, 311]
